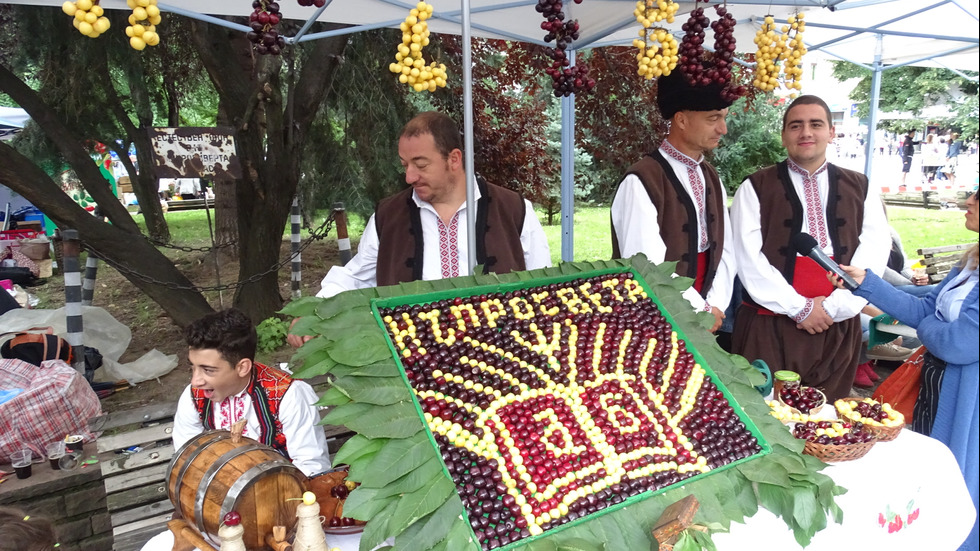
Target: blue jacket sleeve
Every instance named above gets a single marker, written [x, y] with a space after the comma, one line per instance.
[952, 341]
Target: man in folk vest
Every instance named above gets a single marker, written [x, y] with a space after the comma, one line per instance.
[420, 233]
[793, 318]
[228, 385]
[671, 206]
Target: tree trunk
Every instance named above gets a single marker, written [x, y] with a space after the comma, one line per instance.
[269, 139]
[139, 261]
[225, 213]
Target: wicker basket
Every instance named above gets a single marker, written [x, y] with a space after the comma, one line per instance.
[813, 411]
[833, 453]
[883, 433]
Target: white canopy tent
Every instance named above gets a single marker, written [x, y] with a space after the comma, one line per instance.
[877, 34]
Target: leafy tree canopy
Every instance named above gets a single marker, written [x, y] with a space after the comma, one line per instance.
[912, 89]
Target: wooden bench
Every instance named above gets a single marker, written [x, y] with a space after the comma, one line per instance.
[134, 451]
[940, 260]
[135, 481]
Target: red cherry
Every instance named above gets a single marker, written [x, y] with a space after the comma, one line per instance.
[232, 519]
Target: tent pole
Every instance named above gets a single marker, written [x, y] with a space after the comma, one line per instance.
[468, 136]
[568, 172]
[873, 111]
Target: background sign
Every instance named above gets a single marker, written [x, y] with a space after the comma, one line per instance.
[190, 152]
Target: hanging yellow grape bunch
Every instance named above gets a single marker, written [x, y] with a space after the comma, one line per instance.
[409, 64]
[771, 48]
[142, 29]
[792, 72]
[89, 18]
[652, 60]
[779, 52]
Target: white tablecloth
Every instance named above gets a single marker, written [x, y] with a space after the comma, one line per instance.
[911, 473]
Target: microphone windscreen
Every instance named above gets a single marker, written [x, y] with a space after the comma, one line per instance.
[803, 243]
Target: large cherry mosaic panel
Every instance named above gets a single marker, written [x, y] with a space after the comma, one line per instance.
[555, 402]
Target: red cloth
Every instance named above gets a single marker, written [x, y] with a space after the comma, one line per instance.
[56, 401]
[809, 280]
[702, 271]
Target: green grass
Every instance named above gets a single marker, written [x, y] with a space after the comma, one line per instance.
[918, 228]
[929, 228]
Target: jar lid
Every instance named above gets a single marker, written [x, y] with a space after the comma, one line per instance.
[784, 375]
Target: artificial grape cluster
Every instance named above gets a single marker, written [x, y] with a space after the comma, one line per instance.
[652, 60]
[792, 73]
[832, 432]
[692, 48]
[264, 36]
[721, 72]
[409, 65]
[89, 18]
[786, 47]
[142, 29]
[771, 47]
[566, 80]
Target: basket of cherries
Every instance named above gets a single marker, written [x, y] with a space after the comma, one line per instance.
[806, 400]
[880, 418]
[833, 441]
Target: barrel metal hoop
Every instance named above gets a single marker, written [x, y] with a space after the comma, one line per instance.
[251, 476]
[203, 439]
[202, 487]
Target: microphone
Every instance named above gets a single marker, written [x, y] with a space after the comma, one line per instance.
[806, 245]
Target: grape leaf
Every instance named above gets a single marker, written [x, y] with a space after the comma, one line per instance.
[415, 505]
[374, 390]
[398, 458]
[358, 446]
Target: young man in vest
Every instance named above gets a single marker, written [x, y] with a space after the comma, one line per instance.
[671, 206]
[228, 385]
[420, 233]
[793, 318]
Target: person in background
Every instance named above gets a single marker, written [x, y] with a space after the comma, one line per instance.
[792, 318]
[907, 151]
[671, 205]
[952, 158]
[227, 384]
[948, 322]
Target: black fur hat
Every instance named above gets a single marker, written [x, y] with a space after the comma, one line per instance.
[675, 93]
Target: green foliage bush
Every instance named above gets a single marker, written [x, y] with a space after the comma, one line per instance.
[753, 140]
[272, 334]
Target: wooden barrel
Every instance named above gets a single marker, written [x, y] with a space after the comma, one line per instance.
[210, 476]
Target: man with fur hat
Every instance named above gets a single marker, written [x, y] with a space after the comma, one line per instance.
[671, 205]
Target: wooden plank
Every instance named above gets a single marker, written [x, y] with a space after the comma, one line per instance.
[136, 535]
[945, 259]
[135, 514]
[136, 496]
[135, 477]
[125, 462]
[138, 437]
[333, 431]
[142, 525]
[132, 416]
[945, 249]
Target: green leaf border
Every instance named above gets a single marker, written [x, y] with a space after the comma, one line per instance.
[785, 481]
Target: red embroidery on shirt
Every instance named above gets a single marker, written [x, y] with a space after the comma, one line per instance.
[697, 188]
[449, 246]
[815, 217]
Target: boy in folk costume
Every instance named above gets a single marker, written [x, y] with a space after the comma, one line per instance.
[227, 384]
